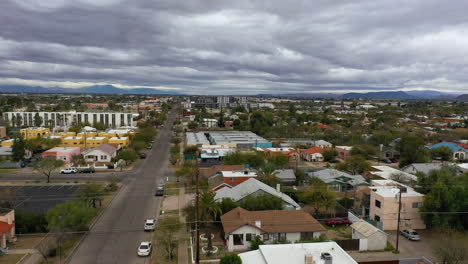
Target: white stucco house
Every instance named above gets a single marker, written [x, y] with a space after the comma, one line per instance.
[103, 153]
[241, 227]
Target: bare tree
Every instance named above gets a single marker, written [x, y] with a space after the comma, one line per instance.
[46, 246]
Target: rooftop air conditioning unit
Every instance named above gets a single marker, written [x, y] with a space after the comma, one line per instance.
[309, 259]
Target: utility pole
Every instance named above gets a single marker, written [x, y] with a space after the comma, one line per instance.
[398, 221]
[197, 212]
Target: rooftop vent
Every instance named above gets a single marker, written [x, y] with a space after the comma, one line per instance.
[309, 259]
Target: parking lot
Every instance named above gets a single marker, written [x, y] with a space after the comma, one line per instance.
[39, 198]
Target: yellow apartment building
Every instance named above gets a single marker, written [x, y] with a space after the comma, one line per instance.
[87, 134]
[8, 143]
[73, 142]
[106, 134]
[122, 141]
[92, 142]
[35, 132]
[65, 134]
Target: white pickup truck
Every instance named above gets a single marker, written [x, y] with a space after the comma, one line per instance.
[69, 171]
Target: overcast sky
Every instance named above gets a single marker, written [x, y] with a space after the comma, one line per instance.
[236, 46]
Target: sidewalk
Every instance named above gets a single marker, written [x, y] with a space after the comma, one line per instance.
[183, 257]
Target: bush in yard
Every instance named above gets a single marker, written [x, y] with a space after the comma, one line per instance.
[231, 259]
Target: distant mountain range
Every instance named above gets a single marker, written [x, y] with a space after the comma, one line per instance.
[463, 97]
[403, 95]
[97, 89]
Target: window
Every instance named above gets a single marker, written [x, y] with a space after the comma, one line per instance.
[378, 203]
[248, 237]
[377, 218]
[282, 236]
[307, 235]
[266, 236]
[233, 179]
[275, 236]
[417, 205]
[103, 157]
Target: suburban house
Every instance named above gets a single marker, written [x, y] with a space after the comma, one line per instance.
[62, 153]
[289, 153]
[389, 173]
[425, 168]
[241, 226]
[343, 152]
[230, 178]
[286, 176]
[214, 154]
[312, 154]
[339, 181]
[7, 226]
[103, 153]
[383, 207]
[376, 239]
[254, 187]
[299, 253]
[459, 150]
[210, 122]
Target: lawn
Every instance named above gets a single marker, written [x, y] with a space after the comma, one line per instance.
[339, 232]
[7, 171]
[26, 242]
[171, 188]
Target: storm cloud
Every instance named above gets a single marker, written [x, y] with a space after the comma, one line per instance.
[236, 47]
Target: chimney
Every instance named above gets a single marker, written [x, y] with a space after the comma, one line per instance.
[309, 259]
[258, 223]
[278, 187]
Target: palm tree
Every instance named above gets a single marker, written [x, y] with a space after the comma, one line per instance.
[209, 211]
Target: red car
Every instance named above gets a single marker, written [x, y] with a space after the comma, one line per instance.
[338, 222]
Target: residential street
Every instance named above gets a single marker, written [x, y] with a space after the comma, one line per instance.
[117, 233]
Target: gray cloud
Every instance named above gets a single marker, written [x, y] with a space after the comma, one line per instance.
[213, 46]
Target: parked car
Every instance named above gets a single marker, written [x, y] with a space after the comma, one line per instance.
[159, 192]
[410, 234]
[385, 160]
[149, 146]
[70, 170]
[145, 249]
[150, 225]
[333, 161]
[394, 160]
[88, 170]
[142, 155]
[337, 221]
[160, 186]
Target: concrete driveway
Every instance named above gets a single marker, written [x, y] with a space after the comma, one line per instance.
[408, 249]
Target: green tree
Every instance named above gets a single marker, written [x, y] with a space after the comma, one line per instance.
[210, 209]
[329, 155]
[47, 166]
[192, 125]
[355, 165]
[18, 150]
[364, 150]
[254, 159]
[226, 205]
[256, 242]
[442, 153]
[128, 155]
[451, 247]
[71, 216]
[411, 150]
[138, 145]
[318, 196]
[231, 259]
[146, 135]
[77, 160]
[262, 202]
[279, 161]
[92, 193]
[37, 120]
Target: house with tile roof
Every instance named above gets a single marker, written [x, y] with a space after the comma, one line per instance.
[241, 227]
[254, 187]
[312, 154]
[7, 226]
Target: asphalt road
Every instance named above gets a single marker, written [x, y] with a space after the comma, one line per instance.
[98, 176]
[117, 233]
